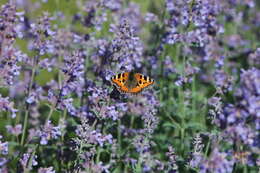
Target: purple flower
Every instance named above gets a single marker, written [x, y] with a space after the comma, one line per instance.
[132, 13]
[110, 111]
[148, 161]
[35, 95]
[197, 154]
[240, 132]
[232, 114]
[3, 147]
[33, 133]
[169, 66]
[127, 46]
[150, 121]
[202, 14]
[10, 56]
[6, 105]
[88, 135]
[172, 159]
[49, 132]
[3, 161]
[235, 41]
[46, 170]
[73, 70]
[187, 77]
[223, 81]
[150, 17]
[25, 159]
[248, 97]
[254, 58]
[41, 31]
[97, 94]
[172, 37]
[11, 23]
[16, 130]
[250, 82]
[68, 105]
[169, 5]
[254, 106]
[99, 138]
[95, 167]
[217, 162]
[141, 143]
[113, 5]
[47, 64]
[215, 102]
[196, 160]
[114, 111]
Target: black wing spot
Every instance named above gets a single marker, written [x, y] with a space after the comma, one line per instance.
[119, 75]
[123, 75]
[140, 82]
[123, 80]
[145, 78]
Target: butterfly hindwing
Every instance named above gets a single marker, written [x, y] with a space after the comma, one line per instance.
[143, 81]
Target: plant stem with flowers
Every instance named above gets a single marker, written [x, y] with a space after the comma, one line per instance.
[34, 67]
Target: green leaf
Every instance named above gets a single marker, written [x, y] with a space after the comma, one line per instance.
[194, 125]
[172, 124]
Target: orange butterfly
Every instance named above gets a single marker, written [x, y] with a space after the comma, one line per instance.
[130, 82]
[242, 156]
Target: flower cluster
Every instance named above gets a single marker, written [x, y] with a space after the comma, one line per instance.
[90, 136]
[28, 160]
[6, 105]
[127, 46]
[10, 29]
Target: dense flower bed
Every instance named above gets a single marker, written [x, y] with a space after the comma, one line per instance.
[60, 112]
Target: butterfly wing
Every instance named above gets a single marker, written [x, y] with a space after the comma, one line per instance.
[142, 82]
[119, 81]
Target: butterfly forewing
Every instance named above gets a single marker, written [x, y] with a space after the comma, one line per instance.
[119, 80]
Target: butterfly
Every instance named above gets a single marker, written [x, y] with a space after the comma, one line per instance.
[130, 82]
[241, 156]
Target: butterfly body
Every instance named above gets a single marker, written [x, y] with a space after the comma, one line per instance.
[130, 82]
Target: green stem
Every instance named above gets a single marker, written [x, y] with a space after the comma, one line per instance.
[244, 168]
[182, 139]
[50, 113]
[25, 125]
[62, 140]
[53, 106]
[78, 155]
[193, 98]
[132, 122]
[139, 166]
[98, 155]
[207, 148]
[119, 135]
[27, 105]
